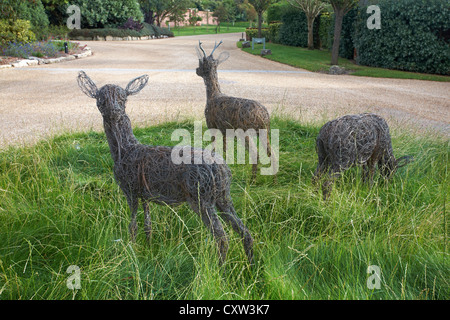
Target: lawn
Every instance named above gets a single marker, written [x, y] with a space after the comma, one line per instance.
[209, 29]
[319, 61]
[60, 206]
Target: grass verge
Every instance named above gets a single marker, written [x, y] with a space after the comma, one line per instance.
[208, 29]
[319, 61]
[59, 206]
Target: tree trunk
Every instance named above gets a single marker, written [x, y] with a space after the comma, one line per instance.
[259, 24]
[311, 33]
[339, 16]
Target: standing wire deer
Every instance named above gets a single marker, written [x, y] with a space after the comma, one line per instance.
[147, 173]
[351, 140]
[224, 112]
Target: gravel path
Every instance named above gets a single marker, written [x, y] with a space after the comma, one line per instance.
[41, 101]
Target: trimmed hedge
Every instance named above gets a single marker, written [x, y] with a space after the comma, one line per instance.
[294, 28]
[147, 30]
[414, 36]
[271, 33]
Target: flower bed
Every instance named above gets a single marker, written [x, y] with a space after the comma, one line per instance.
[40, 52]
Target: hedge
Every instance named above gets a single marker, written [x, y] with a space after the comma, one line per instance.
[414, 36]
[147, 30]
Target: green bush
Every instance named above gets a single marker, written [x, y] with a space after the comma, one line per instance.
[325, 24]
[107, 13]
[271, 33]
[15, 31]
[294, 30]
[274, 31]
[275, 11]
[413, 37]
[253, 33]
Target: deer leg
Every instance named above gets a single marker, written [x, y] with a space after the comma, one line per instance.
[272, 157]
[147, 221]
[133, 204]
[252, 150]
[229, 215]
[333, 174]
[320, 169]
[369, 171]
[365, 172]
[224, 138]
[211, 220]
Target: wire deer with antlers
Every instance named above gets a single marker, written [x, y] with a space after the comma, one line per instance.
[148, 173]
[224, 112]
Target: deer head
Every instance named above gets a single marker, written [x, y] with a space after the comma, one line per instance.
[207, 64]
[111, 99]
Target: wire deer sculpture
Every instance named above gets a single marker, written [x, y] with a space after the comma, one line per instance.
[224, 112]
[147, 173]
[361, 139]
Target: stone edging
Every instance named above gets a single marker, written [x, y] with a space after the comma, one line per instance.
[33, 61]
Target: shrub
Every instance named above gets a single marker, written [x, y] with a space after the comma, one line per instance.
[132, 25]
[275, 11]
[325, 24]
[253, 33]
[107, 13]
[294, 30]
[15, 31]
[147, 30]
[274, 32]
[33, 12]
[412, 37]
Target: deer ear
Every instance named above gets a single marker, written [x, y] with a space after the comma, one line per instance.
[223, 56]
[87, 85]
[136, 85]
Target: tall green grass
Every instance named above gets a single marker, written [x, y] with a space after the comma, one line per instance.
[59, 206]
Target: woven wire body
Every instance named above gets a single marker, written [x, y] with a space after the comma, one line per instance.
[147, 173]
[224, 112]
[354, 140]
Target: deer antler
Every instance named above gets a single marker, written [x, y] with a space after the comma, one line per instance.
[215, 47]
[200, 45]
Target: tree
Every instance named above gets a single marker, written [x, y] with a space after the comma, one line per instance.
[260, 6]
[157, 10]
[193, 18]
[107, 13]
[340, 7]
[177, 16]
[312, 9]
[221, 14]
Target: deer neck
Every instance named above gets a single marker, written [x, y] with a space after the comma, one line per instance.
[120, 137]
[212, 86]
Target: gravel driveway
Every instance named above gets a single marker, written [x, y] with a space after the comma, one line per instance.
[41, 101]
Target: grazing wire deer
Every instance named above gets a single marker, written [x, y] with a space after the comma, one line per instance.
[361, 139]
[147, 173]
[224, 112]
